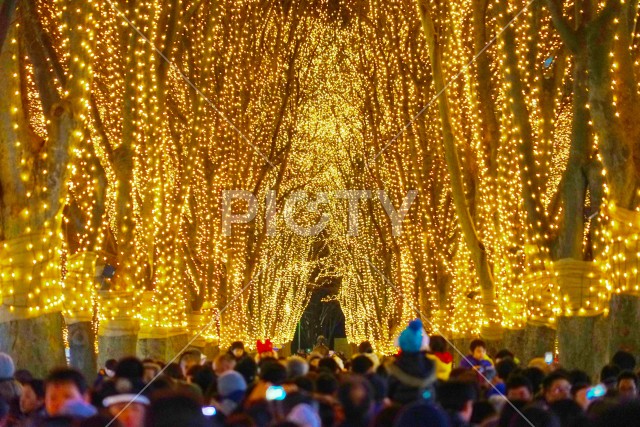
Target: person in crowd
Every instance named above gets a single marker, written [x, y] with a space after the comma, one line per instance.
[366, 349]
[296, 367]
[421, 413]
[204, 377]
[32, 402]
[189, 358]
[504, 369]
[624, 360]
[265, 350]
[248, 368]
[519, 388]
[177, 409]
[64, 386]
[356, 397]
[439, 355]
[272, 373]
[10, 389]
[231, 391]
[411, 374]
[477, 359]
[456, 398]
[609, 377]
[504, 354]
[238, 351]
[556, 386]
[569, 413]
[321, 348]
[224, 362]
[4, 412]
[151, 370]
[535, 376]
[125, 400]
[627, 385]
[107, 372]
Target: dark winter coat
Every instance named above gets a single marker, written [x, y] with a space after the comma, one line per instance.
[410, 375]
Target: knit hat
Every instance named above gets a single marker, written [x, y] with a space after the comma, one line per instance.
[7, 368]
[231, 383]
[124, 390]
[413, 339]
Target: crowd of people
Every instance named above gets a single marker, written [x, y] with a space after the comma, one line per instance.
[419, 386]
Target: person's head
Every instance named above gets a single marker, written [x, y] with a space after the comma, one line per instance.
[361, 365]
[519, 388]
[437, 343]
[129, 367]
[326, 384]
[356, 397]
[478, 349]
[231, 385]
[627, 385]
[556, 386]
[365, 347]
[110, 367]
[175, 409]
[63, 385]
[536, 376]
[296, 367]
[190, 358]
[505, 367]
[329, 364]
[609, 376]
[23, 375]
[173, 370]
[273, 372]
[482, 411]
[624, 360]
[248, 369]
[457, 397]
[223, 362]
[503, 354]
[32, 396]
[151, 370]
[237, 349]
[413, 339]
[202, 376]
[125, 401]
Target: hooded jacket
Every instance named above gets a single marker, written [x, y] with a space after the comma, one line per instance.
[409, 376]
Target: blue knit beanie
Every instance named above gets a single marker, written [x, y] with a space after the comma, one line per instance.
[410, 340]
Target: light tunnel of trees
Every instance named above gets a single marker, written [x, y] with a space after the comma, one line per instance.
[123, 122]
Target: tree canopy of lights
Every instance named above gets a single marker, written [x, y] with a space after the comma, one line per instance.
[123, 124]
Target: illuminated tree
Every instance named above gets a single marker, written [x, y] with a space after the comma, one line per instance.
[38, 142]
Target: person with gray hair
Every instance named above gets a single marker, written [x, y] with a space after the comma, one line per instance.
[296, 367]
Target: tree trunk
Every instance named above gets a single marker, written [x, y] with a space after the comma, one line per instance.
[582, 343]
[492, 329]
[624, 319]
[116, 347]
[81, 337]
[164, 349]
[539, 340]
[35, 344]
[515, 340]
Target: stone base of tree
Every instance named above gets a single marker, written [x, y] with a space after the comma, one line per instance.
[163, 349]
[624, 318]
[539, 340]
[82, 352]
[116, 347]
[35, 344]
[515, 340]
[582, 343]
